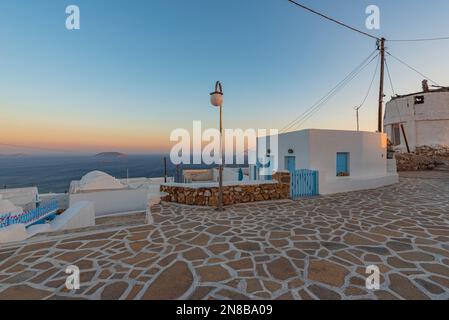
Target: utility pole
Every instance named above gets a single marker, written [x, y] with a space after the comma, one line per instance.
[381, 47]
[357, 116]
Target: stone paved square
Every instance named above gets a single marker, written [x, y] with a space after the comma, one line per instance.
[314, 248]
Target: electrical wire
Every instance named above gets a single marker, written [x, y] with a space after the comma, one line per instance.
[370, 86]
[389, 77]
[315, 108]
[330, 94]
[419, 40]
[412, 68]
[290, 124]
[360, 31]
[333, 20]
[313, 112]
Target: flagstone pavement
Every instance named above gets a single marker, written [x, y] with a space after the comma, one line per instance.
[308, 249]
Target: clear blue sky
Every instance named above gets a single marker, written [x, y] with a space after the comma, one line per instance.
[138, 69]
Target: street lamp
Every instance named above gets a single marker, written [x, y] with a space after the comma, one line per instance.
[216, 99]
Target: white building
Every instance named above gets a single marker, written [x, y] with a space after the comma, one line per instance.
[27, 198]
[7, 206]
[108, 194]
[419, 119]
[345, 160]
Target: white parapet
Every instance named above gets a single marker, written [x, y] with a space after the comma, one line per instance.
[13, 233]
[349, 184]
[107, 202]
[80, 215]
[391, 166]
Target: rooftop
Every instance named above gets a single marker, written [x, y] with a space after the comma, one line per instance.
[439, 90]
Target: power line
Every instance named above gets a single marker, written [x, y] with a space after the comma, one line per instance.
[389, 77]
[333, 20]
[313, 112]
[412, 68]
[321, 102]
[291, 123]
[360, 31]
[370, 86]
[419, 40]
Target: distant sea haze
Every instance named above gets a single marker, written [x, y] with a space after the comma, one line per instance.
[54, 173]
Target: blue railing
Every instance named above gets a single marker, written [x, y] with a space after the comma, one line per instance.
[29, 217]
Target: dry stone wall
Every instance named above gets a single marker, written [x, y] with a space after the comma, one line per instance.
[277, 189]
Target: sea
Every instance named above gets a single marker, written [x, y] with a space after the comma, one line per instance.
[54, 173]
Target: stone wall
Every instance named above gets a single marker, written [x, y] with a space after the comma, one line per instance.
[233, 193]
[435, 151]
[414, 162]
[424, 158]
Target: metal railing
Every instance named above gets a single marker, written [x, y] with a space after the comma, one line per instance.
[29, 217]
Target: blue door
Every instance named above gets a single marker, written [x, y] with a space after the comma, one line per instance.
[290, 164]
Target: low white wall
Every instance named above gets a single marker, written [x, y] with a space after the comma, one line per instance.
[38, 228]
[392, 166]
[13, 233]
[347, 184]
[113, 201]
[80, 215]
[229, 174]
[198, 175]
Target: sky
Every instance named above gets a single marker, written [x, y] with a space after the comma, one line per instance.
[138, 69]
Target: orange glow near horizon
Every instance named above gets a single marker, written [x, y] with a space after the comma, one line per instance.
[80, 138]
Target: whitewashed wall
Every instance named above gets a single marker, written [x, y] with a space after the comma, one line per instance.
[114, 201]
[425, 124]
[317, 150]
[80, 215]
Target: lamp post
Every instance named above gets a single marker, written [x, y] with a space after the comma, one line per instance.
[216, 99]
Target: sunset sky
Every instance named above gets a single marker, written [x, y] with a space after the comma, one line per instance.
[138, 69]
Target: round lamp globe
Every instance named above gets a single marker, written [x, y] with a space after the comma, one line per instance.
[216, 99]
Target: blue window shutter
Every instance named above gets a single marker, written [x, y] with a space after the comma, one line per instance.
[342, 162]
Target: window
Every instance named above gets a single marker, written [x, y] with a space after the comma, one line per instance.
[396, 135]
[343, 164]
[419, 100]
